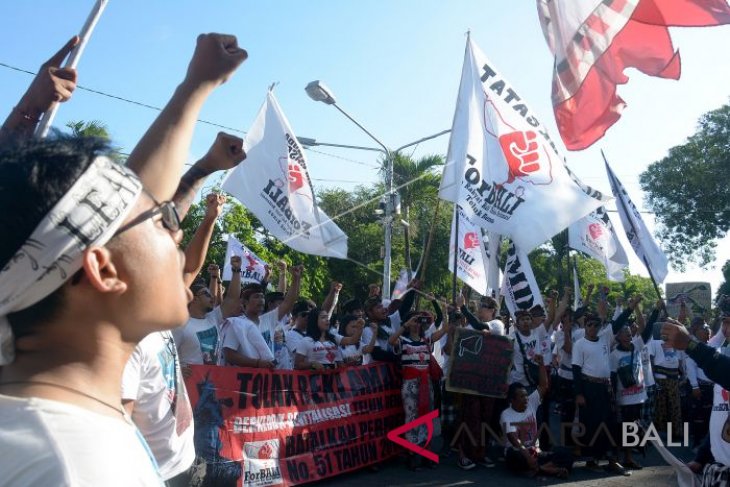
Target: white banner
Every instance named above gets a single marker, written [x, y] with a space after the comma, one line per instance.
[644, 245]
[274, 184]
[472, 257]
[401, 285]
[252, 266]
[595, 236]
[502, 166]
[519, 287]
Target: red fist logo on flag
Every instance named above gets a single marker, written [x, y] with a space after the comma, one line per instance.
[595, 230]
[296, 178]
[251, 262]
[471, 241]
[521, 151]
[265, 452]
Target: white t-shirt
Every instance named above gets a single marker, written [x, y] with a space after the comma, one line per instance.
[267, 326]
[646, 364]
[592, 357]
[367, 334]
[694, 373]
[197, 340]
[635, 394]
[534, 344]
[243, 336]
[664, 357]
[565, 359]
[162, 411]
[524, 423]
[720, 416]
[326, 353]
[51, 443]
[293, 339]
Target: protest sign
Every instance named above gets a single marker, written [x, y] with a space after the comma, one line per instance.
[696, 295]
[480, 364]
[258, 427]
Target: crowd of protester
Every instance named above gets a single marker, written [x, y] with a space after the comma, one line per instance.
[97, 336]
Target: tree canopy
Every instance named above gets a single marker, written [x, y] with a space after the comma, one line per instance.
[689, 190]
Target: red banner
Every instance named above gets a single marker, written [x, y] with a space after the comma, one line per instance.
[256, 427]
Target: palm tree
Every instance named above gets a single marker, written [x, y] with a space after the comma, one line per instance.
[416, 182]
[98, 129]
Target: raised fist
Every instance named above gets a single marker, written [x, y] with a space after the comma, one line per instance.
[296, 177]
[521, 151]
[52, 83]
[214, 204]
[214, 270]
[226, 152]
[215, 59]
[236, 262]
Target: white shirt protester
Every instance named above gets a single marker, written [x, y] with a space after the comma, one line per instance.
[533, 344]
[524, 424]
[162, 411]
[243, 336]
[635, 394]
[326, 353]
[197, 340]
[592, 356]
[565, 359]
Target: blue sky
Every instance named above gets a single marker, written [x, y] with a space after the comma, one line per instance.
[394, 65]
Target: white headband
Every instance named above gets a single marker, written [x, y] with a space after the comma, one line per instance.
[88, 214]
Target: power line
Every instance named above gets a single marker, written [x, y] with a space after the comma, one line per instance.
[367, 164]
[126, 100]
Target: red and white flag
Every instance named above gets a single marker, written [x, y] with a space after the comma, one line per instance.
[472, 259]
[594, 41]
[502, 168]
[274, 184]
[596, 237]
[253, 267]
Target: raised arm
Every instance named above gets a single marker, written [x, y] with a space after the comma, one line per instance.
[714, 364]
[159, 156]
[293, 293]
[408, 299]
[562, 306]
[470, 318]
[281, 265]
[197, 248]
[231, 305]
[331, 300]
[52, 84]
[214, 283]
[225, 153]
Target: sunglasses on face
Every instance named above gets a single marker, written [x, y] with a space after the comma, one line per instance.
[170, 218]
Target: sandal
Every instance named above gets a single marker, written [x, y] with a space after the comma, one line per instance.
[615, 467]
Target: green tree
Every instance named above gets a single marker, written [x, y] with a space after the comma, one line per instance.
[724, 289]
[689, 191]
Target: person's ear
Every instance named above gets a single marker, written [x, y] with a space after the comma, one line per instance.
[101, 271]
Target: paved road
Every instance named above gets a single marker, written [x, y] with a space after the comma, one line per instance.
[656, 473]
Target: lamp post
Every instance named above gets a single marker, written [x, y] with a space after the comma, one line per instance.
[318, 91]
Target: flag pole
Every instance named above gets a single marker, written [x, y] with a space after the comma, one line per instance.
[456, 252]
[633, 228]
[73, 59]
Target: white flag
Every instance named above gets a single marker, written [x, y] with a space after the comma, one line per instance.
[274, 184]
[252, 266]
[644, 245]
[472, 256]
[502, 166]
[519, 286]
[492, 244]
[595, 236]
[401, 285]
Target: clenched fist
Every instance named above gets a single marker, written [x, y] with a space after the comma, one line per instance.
[215, 59]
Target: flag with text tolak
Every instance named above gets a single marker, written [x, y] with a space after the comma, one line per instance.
[273, 183]
[502, 167]
[596, 237]
[519, 287]
[253, 268]
[641, 240]
[471, 259]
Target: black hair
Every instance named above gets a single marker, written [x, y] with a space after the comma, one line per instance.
[344, 321]
[301, 306]
[349, 306]
[313, 330]
[34, 175]
[512, 390]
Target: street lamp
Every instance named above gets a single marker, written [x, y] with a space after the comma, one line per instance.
[318, 91]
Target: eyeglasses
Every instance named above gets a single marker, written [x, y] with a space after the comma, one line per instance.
[170, 218]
